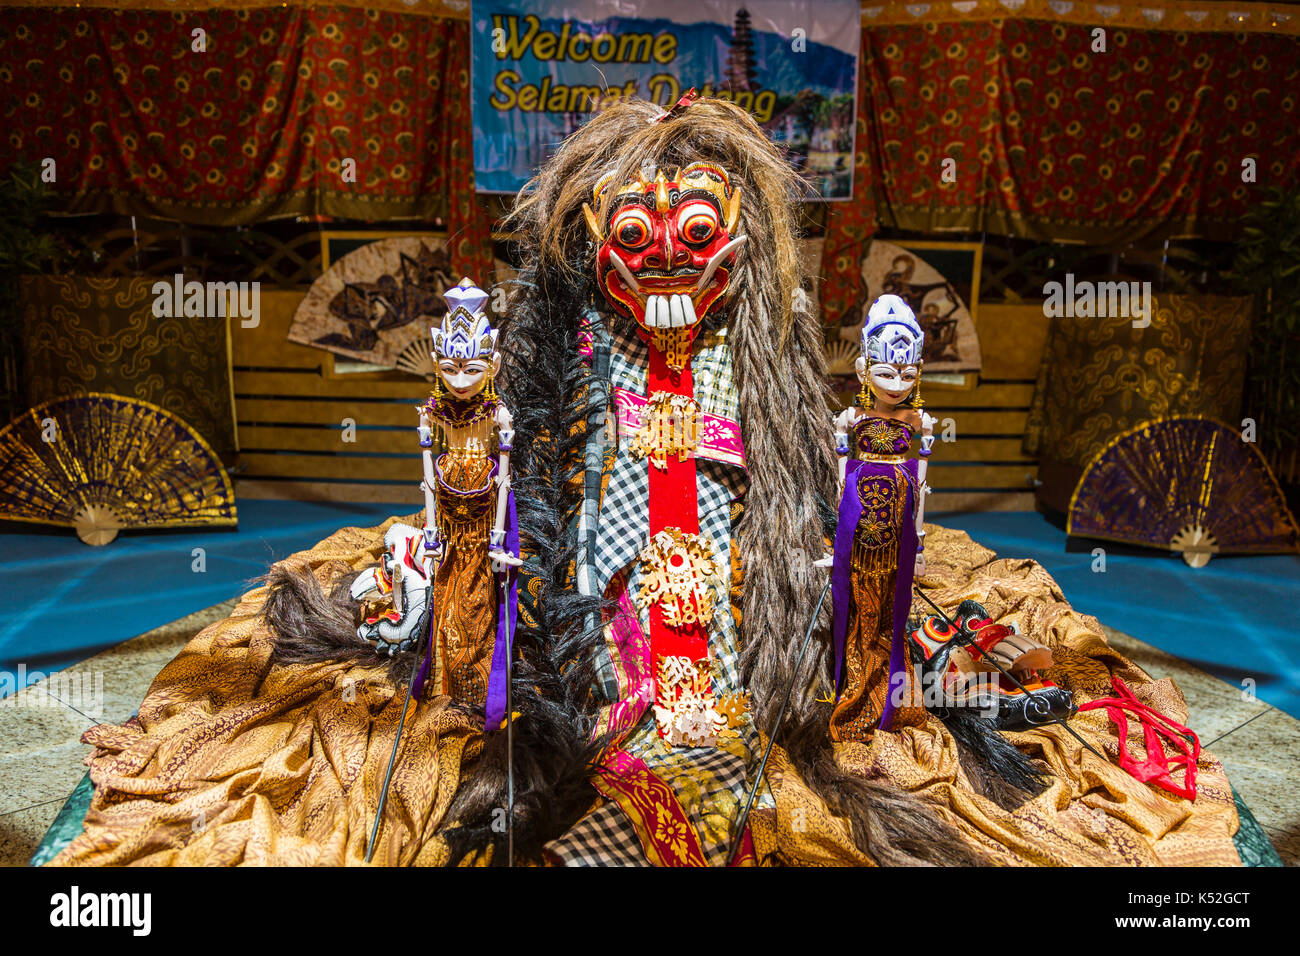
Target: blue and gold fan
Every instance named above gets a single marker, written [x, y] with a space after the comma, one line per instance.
[100, 463]
[1190, 485]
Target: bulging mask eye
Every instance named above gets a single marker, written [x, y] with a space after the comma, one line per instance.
[632, 229]
[699, 222]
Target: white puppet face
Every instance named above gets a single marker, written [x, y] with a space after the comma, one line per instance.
[891, 384]
[465, 378]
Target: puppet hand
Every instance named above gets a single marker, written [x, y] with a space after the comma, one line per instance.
[919, 568]
[433, 545]
[367, 582]
[825, 562]
[501, 560]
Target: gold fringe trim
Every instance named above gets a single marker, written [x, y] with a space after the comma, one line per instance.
[1173, 15]
[449, 9]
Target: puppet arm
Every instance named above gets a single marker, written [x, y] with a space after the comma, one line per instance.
[922, 489]
[432, 546]
[842, 424]
[501, 558]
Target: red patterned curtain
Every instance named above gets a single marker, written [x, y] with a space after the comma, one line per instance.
[257, 125]
[1051, 140]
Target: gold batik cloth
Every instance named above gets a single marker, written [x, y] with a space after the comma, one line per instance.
[1093, 813]
[464, 588]
[232, 761]
[1101, 376]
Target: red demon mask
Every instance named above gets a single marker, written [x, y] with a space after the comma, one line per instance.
[665, 258]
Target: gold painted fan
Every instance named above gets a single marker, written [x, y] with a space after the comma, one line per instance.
[416, 359]
[841, 356]
[99, 463]
[1191, 485]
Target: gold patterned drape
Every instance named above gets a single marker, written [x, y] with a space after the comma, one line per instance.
[1093, 812]
[1102, 376]
[100, 335]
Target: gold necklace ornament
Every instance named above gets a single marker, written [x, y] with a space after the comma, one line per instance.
[458, 412]
[675, 344]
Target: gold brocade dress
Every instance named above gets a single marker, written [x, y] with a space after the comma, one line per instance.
[464, 588]
[884, 483]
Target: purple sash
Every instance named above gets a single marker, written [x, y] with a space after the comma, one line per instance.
[507, 618]
[841, 591]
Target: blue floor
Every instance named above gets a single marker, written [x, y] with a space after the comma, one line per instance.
[1232, 618]
[64, 601]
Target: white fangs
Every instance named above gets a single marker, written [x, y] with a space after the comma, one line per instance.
[669, 311]
[628, 279]
[716, 261]
[678, 310]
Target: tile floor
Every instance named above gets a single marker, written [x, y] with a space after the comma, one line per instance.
[41, 754]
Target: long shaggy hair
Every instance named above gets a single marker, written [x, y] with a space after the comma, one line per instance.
[553, 741]
[784, 415]
[314, 625]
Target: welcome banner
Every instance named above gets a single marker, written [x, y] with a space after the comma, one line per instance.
[541, 69]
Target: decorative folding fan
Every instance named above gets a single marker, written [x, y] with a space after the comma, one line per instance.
[416, 358]
[376, 301]
[1191, 485]
[841, 356]
[100, 462]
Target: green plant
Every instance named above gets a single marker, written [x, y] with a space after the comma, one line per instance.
[25, 247]
[25, 201]
[1267, 265]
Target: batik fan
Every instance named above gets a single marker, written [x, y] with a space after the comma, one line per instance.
[100, 463]
[1192, 485]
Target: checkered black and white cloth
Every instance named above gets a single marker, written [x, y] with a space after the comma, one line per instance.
[604, 837]
[623, 528]
[710, 784]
